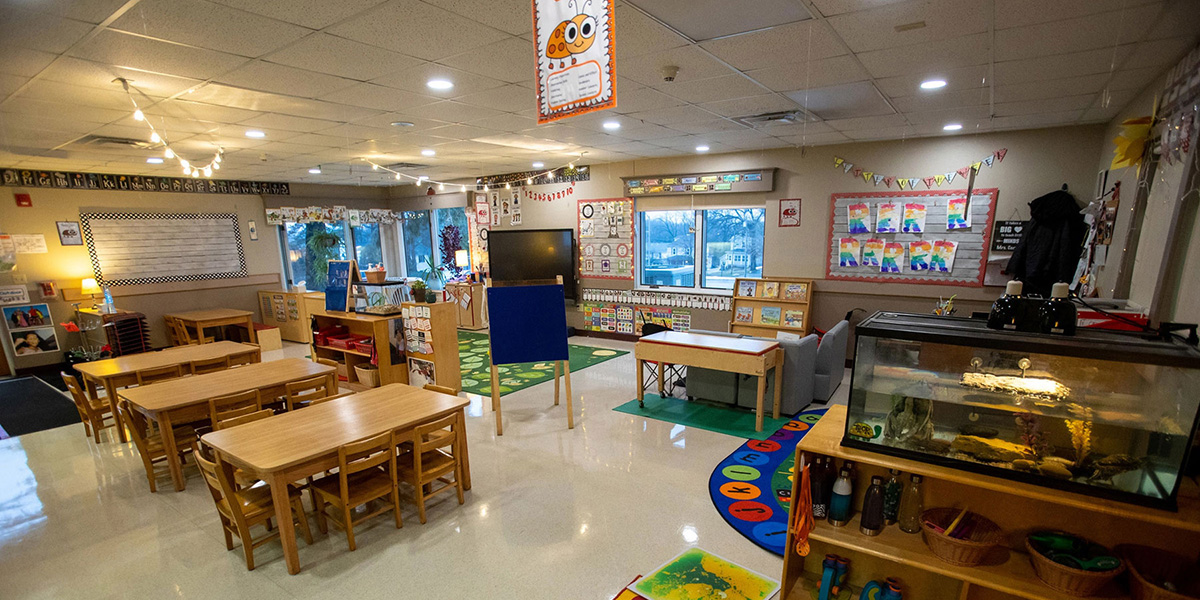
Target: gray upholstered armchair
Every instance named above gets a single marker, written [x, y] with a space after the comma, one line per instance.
[831, 362]
[799, 357]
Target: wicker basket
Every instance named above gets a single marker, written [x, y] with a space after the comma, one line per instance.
[1069, 580]
[376, 276]
[1149, 566]
[368, 375]
[965, 552]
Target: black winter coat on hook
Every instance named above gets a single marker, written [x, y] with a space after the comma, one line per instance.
[1050, 246]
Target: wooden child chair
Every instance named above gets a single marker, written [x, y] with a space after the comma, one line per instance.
[366, 472]
[423, 461]
[92, 411]
[150, 445]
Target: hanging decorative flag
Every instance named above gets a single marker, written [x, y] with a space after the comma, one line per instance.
[877, 179]
[988, 161]
[867, 176]
[965, 171]
[977, 165]
[857, 173]
[888, 181]
[837, 162]
[575, 45]
[940, 179]
[950, 177]
[929, 181]
[912, 183]
[1000, 154]
[903, 183]
[847, 166]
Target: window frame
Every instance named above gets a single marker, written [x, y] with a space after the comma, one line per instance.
[698, 241]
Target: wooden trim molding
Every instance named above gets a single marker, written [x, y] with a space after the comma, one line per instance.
[72, 294]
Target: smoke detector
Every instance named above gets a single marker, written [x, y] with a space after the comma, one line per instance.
[669, 73]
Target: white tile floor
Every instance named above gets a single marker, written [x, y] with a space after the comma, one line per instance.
[553, 514]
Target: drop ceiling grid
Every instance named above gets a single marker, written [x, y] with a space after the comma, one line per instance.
[325, 80]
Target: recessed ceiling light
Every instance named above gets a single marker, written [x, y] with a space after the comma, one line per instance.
[952, 127]
[701, 148]
[933, 84]
[254, 133]
[315, 170]
[439, 84]
[612, 125]
[538, 165]
[428, 153]
[401, 124]
[154, 160]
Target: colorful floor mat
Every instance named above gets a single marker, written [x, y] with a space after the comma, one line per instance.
[703, 415]
[752, 488]
[476, 366]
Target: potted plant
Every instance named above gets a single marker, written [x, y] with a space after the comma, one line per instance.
[432, 274]
[418, 290]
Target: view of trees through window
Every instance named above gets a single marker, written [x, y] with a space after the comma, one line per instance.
[732, 246]
[310, 248]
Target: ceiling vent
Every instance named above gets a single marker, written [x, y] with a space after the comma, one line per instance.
[405, 166]
[788, 117]
[109, 142]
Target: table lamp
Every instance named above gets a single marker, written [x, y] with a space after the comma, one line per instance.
[90, 287]
[462, 258]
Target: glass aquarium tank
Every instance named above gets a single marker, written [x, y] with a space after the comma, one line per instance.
[1102, 413]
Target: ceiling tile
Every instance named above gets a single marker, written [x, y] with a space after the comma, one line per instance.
[818, 139]
[644, 99]
[638, 34]
[1019, 13]
[1159, 53]
[942, 100]
[644, 132]
[820, 73]
[96, 75]
[333, 55]
[712, 89]
[39, 31]
[876, 29]
[910, 85]
[450, 110]
[506, 122]
[1072, 35]
[509, 98]
[314, 14]
[514, 17]
[786, 43]
[753, 105]
[1176, 19]
[207, 25]
[385, 120]
[930, 57]
[89, 11]
[25, 62]
[1036, 120]
[10, 83]
[1051, 67]
[714, 18]
[205, 112]
[405, 25]
[143, 53]
[414, 79]
[1054, 88]
[693, 64]
[289, 123]
[510, 60]
[845, 101]
[66, 93]
[868, 123]
[830, 8]
[1052, 105]
[705, 126]
[1134, 79]
[33, 108]
[280, 79]
[669, 116]
[379, 97]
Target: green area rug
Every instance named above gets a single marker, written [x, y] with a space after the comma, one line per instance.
[476, 365]
[702, 415]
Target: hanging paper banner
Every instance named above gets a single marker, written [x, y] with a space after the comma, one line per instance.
[859, 218]
[943, 256]
[929, 181]
[877, 179]
[940, 179]
[958, 216]
[872, 253]
[918, 255]
[837, 162]
[846, 167]
[950, 177]
[893, 252]
[910, 183]
[575, 45]
[914, 218]
[848, 250]
[889, 218]
[1000, 154]
[988, 159]
[888, 181]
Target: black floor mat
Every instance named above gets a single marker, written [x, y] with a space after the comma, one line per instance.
[28, 405]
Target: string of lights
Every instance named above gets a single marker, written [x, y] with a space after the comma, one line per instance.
[159, 138]
[419, 179]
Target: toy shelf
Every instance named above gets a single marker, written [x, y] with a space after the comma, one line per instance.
[376, 328]
[750, 297]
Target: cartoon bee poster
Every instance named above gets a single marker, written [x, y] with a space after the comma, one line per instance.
[575, 46]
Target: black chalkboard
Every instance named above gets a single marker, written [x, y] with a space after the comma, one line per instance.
[1006, 235]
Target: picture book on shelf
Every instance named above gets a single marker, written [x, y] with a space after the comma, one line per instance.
[796, 291]
[745, 314]
[770, 315]
[793, 318]
[770, 289]
[747, 288]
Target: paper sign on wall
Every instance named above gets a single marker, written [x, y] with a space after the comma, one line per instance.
[574, 41]
[30, 243]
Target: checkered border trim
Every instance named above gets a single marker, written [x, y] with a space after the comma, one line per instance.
[85, 222]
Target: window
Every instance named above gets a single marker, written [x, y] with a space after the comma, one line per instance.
[431, 238]
[727, 242]
[310, 247]
[453, 231]
[418, 245]
[368, 249]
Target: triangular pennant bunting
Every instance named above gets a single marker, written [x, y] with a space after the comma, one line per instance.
[912, 183]
[879, 178]
[964, 171]
[888, 181]
[867, 176]
[1000, 154]
[837, 162]
[902, 183]
[950, 177]
[940, 179]
[857, 173]
[988, 161]
[847, 166]
[977, 165]
[929, 181]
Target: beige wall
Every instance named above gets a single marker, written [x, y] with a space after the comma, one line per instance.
[1037, 162]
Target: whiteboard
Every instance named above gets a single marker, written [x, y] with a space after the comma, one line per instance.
[130, 248]
[969, 260]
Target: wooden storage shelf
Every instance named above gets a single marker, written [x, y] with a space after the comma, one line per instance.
[799, 330]
[355, 352]
[376, 328]
[1017, 507]
[443, 335]
[757, 302]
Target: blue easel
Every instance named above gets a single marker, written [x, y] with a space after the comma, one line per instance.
[528, 323]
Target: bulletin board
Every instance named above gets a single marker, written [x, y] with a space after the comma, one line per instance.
[606, 239]
[130, 248]
[969, 240]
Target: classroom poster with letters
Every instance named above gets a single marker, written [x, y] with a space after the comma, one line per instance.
[606, 238]
[575, 46]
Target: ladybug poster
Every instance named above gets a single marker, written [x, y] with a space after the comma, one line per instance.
[575, 47]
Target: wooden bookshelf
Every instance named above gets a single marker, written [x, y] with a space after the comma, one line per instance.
[1018, 508]
[289, 312]
[379, 330]
[789, 296]
[443, 336]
